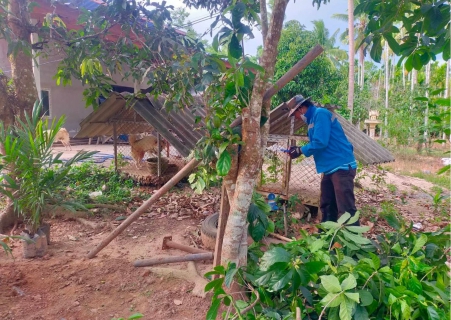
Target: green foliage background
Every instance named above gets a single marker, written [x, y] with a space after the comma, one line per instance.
[319, 80]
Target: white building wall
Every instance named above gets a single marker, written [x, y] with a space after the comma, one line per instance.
[67, 100]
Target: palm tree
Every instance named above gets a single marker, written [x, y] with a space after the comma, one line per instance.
[335, 55]
[426, 114]
[387, 84]
[359, 35]
[351, 57]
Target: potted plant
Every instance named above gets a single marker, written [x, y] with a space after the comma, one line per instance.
[32, 176]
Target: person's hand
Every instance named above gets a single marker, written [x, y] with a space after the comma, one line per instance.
[295, 152]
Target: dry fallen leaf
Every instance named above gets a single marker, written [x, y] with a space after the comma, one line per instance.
[336, 245]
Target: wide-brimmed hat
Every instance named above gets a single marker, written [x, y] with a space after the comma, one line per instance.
[299, 101]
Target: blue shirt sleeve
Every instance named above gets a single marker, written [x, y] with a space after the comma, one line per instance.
[320, 136]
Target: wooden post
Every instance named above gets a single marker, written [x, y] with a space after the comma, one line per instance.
[285, 220]
[135, 215]
[287, 77]
[172, 259]
[288, 163]
[294, 71]
[158, 156]
[115, 145]
[222, 222]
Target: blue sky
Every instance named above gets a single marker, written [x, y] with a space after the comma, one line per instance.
[301, 10]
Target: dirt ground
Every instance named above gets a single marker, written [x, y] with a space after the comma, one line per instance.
[66, 285]
[411, 197]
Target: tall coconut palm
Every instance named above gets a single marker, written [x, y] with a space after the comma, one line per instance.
[334, 54]
[359, 25]
[351, 57]
[447, 79]
[387, 84]
[426, 114]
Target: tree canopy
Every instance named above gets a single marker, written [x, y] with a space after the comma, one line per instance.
[426, 24]
[319, 80]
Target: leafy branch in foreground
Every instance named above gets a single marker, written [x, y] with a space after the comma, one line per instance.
[341, 274]
[425, 27]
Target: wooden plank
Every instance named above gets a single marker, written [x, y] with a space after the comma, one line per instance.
[115, 146]
[283, 137]
[222, 222]
[287, 77]
[294, 71]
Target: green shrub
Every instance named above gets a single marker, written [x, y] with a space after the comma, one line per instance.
[32, 175]
[341, 274]
[89, 177]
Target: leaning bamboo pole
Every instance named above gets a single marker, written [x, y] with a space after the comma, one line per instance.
[287, 77]
[138, 212]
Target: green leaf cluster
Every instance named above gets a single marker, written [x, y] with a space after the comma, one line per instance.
[319, 80]
[425, 33]
[88, 177]
[33, 175]
[341, 274]
[257, 217]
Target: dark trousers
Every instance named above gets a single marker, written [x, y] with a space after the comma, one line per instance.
[337, 195]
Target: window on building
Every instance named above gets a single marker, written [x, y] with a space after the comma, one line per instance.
[45, 103]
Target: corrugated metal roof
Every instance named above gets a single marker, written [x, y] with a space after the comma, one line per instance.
[178, 127]
[181, 131]
[366, 150]
[145, 115]
[113, 110]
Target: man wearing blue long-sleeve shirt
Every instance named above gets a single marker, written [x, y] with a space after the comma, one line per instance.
[333, 155]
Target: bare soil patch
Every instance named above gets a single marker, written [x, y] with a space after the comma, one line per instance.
[66, 285]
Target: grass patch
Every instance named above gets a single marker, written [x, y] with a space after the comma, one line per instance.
[443, 180]
[89, 177]
[424, 166]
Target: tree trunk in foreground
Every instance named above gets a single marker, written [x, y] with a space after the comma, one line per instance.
[234, 248]
[21, 63]
[21, 100]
